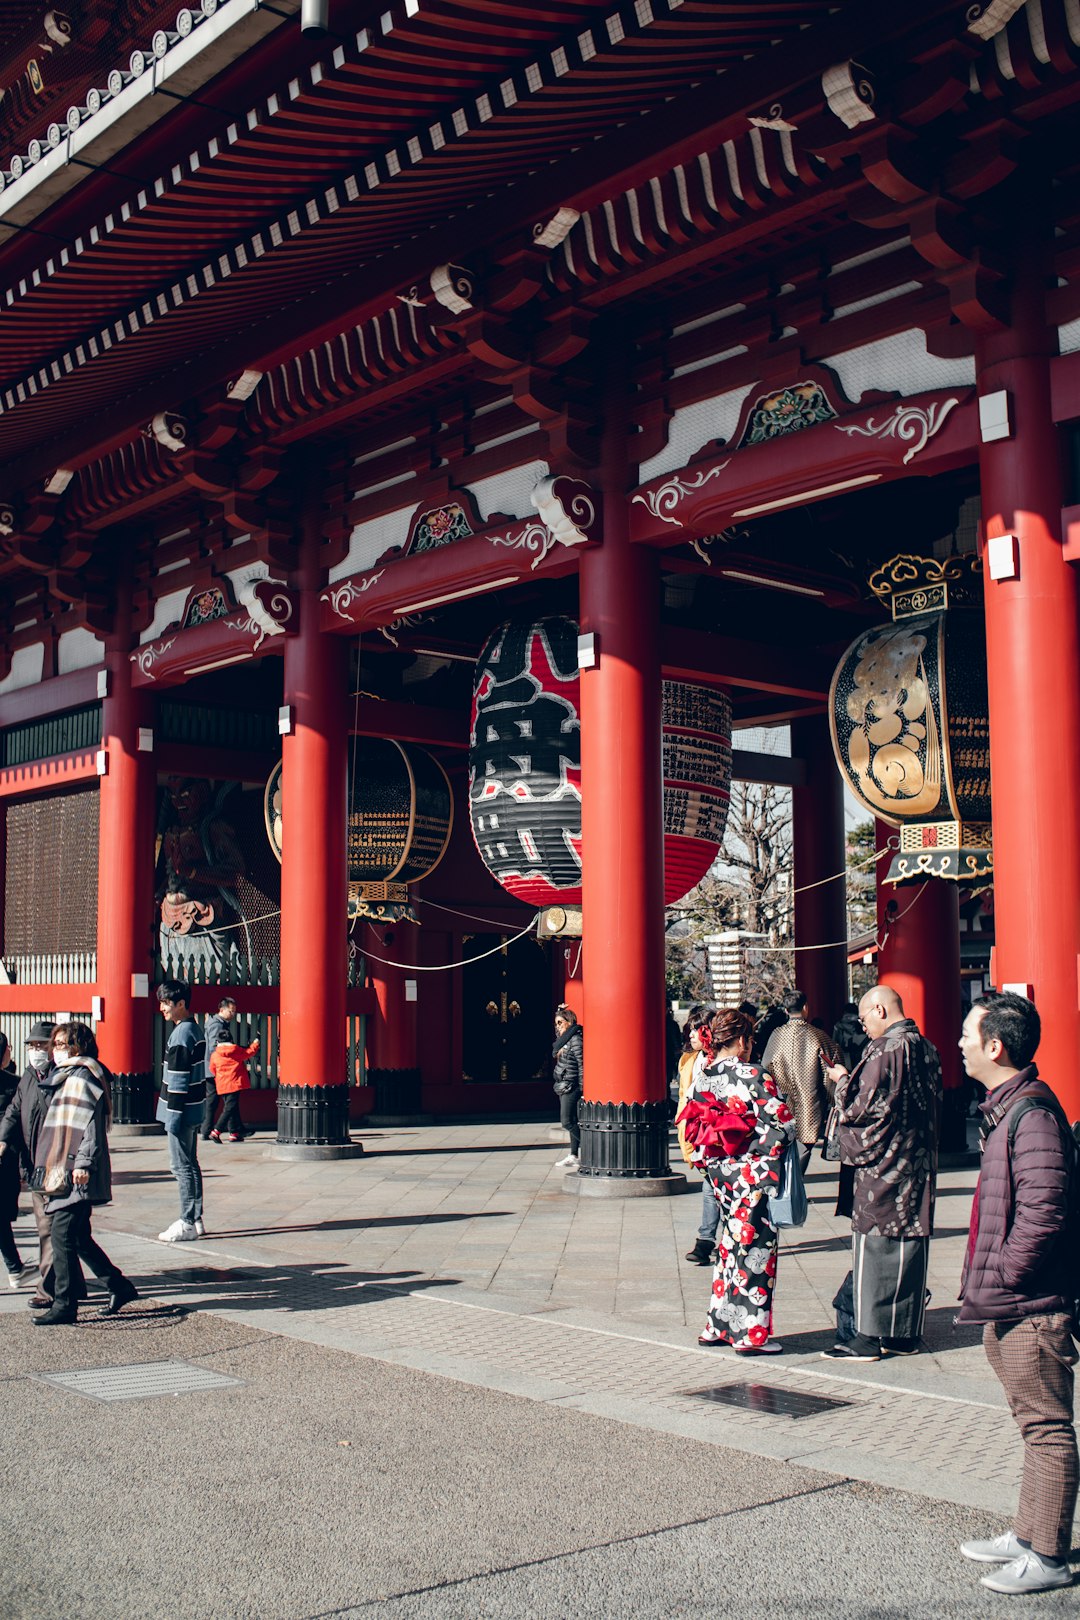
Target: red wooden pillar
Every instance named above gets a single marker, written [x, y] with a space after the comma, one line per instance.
[393, 1066]
[624, 1113]
[920, 924]
[819, 853]
[313, 1117]
[1033, 671]
[125, 913]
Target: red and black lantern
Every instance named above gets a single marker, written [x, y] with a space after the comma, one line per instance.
[525, 761]
[525, 767]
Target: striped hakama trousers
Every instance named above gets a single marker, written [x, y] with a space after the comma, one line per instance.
[889, 1285]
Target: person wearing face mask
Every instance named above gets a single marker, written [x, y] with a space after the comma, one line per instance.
[71, 1165]
[17, 1272]
[20, 1123]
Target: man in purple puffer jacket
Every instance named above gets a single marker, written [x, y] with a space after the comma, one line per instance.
[1020, 1281]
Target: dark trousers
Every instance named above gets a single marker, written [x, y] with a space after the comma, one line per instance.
[73, 1241]
[9, 1254]
[1034, 1360]
[230, 1114]
[568, 1107]
[209, 1108]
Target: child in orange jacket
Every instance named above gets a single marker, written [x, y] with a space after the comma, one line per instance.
[228, 1065]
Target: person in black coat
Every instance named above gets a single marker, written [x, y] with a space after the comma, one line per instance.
[20, 1123]
[568, 1052]
[17, 1272]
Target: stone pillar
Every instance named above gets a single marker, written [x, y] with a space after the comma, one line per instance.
[624, 1110]
[313, 1096]
[921, 961]
[819, 852]
[125, 915]
[393, 1067]
[1033, 676]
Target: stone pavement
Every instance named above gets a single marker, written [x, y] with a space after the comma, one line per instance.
[454, 1251]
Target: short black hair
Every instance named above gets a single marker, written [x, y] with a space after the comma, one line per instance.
[794, 1001]
[1014, 1021]
[173, 990]
[226, 1001]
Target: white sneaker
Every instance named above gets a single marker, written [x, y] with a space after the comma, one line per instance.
[1028, 1573]
[571, 1162]
[1002, 1550]
[200, 1229]
[178, 1232]
[21, 1279]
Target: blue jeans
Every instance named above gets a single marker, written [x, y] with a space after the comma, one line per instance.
[710, 1213]
[184, 1163]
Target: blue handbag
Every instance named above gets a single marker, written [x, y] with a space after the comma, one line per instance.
[789, 1202]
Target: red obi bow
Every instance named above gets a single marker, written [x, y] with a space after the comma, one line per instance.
[715, 1128]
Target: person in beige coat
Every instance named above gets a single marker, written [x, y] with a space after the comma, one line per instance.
[796, 1056]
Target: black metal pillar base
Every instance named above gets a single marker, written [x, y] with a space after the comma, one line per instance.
[313, 1123]
[624, 1152]
[397, 1097]
[134, 1097]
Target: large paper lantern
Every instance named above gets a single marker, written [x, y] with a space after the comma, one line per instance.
[525, 761]
[910, 721]
[401, 811]
[525, 767]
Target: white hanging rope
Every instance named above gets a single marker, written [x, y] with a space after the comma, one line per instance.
[851, 944]
[449, 967]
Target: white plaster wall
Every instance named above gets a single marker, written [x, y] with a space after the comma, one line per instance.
[1069, 337]
[369, 540]
[167, 610]
[27, 668]
[899, 363]
[509, 491]
[692, 427]
[78, 649]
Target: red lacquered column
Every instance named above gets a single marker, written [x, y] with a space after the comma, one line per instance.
[624, 1111]
[1033, 670]
[393, 1067]
[818, 849]
[312, 1094]
[125, 917]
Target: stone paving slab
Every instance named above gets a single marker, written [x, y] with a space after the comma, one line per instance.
[455, 1251]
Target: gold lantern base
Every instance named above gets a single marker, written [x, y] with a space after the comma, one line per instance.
[380, 902]
[958, 850]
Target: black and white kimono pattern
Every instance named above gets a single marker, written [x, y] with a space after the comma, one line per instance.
[740, 1309]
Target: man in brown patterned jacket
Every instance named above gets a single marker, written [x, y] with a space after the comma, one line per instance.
[889, 1108]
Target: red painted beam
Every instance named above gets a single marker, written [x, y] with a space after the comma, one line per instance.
[47, 775]
[696, 655]
[412, 722]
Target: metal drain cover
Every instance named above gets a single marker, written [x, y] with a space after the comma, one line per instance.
[140, 1381]
[766, 1398]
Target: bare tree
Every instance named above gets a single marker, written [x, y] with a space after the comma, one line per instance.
[749, 888]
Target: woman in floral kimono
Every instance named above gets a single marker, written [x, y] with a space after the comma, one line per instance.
[738, 1125]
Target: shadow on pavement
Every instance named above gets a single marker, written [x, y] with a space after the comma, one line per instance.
[358, 1223]
[939, 1333]
[263, 1288]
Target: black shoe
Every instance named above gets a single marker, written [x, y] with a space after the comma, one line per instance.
[859, 1348]
[701, 1254]
[54, 1318]
[121, 1293]
[901, 1347]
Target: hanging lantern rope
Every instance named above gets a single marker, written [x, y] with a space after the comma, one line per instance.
[831, 945]
[451, 967]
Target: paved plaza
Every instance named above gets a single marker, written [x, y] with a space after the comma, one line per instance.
[429, 1382]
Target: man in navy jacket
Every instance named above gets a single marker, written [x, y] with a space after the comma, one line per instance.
[180, 1108]
[1020, 1281]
